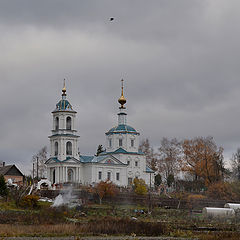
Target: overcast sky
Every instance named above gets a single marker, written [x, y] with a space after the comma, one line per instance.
[180, 60]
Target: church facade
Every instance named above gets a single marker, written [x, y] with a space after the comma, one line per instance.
[120, 163]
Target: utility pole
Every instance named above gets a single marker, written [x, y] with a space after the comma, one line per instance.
[37, 168]
[149, 197]
[33, 173]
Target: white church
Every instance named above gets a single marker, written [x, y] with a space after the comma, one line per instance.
[120, 163]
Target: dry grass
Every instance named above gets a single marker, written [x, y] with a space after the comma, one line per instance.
[10, 230]
[220, 236]
[107, 225]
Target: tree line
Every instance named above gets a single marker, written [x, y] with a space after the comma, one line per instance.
[198, 161]
[193, 164]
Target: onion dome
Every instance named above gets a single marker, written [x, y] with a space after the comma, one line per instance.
[64, 104]
[122, 129]
[122, 100]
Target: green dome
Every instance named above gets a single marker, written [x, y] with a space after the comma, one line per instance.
[122, 128]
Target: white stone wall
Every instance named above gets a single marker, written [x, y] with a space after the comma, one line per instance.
[113, 170]
[126, 142]
[61, 139]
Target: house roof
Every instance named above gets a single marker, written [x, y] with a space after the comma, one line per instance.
[4, 170]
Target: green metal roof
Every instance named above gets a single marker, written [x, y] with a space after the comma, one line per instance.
[63, 105]
[122, 128]
[121, 150]
[149, 170]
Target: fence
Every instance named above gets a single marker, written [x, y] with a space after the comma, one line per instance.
[133, 199]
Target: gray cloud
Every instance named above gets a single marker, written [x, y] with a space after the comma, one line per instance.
[180, 60]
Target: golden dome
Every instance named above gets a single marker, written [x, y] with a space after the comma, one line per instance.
[122, 100]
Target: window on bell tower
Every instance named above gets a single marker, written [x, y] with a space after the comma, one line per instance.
[68, 123]
[69, 148]
[56, 149]
[56, 123]
[120, 142]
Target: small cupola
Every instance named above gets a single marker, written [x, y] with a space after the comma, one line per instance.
[64, 104]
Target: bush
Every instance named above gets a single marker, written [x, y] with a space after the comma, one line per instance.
[221, 190]
[158, 180]
[235, 186]
[193, 198]
[29, 201]
[140, 186]
[126, 226]
[105, 188]
[3, 187]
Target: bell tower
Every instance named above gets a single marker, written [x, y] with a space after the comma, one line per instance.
[64, 138]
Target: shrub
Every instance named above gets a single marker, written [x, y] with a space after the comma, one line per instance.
[158, 180]
[235, 186]
[170, 180]
[29, 201]
[140, 186]
[3, 187]
[105, 188]
[193, 198]
[126, 226]
[221, 190]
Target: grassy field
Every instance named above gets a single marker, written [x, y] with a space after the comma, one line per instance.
[105, 220]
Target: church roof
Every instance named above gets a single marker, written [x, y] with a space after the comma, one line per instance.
[122, 128]
[149, 170]
[55, 159]
[121, 150]
[92, 159]
[99, 159]
[63, 105]
[86, 159]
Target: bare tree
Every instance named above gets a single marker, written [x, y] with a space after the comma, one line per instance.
[169, 157]
[151, 157]
[39, 160]
[235, 165]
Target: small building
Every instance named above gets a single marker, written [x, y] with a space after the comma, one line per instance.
[11, 172]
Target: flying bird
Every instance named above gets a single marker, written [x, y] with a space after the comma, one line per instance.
[111, 19]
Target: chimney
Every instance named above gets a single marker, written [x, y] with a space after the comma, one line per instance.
[3, 164]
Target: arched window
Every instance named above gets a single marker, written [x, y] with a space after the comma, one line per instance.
[56, 148]
[56, 123]
[69, 148]
[69, 123]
